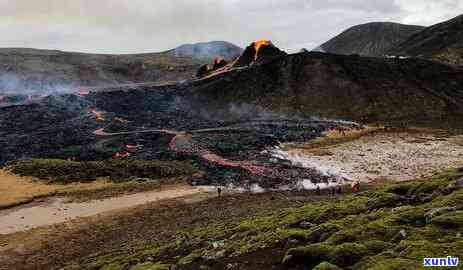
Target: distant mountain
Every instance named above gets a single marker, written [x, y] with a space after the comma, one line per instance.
[442, 41]
[371, 39]
[207, 50]
[32, 71]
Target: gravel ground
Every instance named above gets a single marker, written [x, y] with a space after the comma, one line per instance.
[397, 156]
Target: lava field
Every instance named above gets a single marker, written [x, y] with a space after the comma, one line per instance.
[160, 123]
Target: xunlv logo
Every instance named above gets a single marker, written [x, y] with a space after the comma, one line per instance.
[436, 262]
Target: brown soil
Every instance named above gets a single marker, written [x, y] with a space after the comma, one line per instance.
[58, 210]
[157, 222]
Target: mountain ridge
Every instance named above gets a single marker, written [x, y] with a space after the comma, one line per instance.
[370, 39]
[442, 41]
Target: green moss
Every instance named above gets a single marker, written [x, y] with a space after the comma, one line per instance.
[384, 263]
[311, 255]
[191, 258]
[63, 171]
[377, 246]
[150, 266]
[382, 199]
[409, 215]
[326, 266]
[322, 232]
[450, 220]
[348, 254]
[112, 266]
[347, 235]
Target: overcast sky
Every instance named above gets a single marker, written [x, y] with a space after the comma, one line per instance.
[128, 26]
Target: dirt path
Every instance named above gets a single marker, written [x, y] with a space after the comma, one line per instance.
[394, 156]
[57, 210]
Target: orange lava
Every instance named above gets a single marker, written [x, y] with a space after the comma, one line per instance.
[83, 92]
[131, 147]
[98, 115]
[121, 120]
[254, 169]
[99, 132]
[217, 60]
[258, 44]
[121, 155]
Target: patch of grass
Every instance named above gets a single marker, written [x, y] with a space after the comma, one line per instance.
[326, 266]
[64, 172]
[453, 220]
[380, 229]
[150, 266]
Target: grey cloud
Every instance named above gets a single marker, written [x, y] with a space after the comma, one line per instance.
[121, 26]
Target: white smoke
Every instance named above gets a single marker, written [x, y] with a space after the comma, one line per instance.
[13, 84]
[298, 160]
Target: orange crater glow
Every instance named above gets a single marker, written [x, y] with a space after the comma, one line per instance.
[258, 44]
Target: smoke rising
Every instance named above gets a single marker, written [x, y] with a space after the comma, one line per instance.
[13, 84]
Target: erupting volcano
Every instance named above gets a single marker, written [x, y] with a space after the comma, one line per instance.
[259, 44]
[258, 51]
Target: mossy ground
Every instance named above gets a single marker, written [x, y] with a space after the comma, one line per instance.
[64, 172]
[385, 228]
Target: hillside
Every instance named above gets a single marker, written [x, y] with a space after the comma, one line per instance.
[371, 39]
[342, 87]
[442, 41]
[207, 50]
[25, 71]
[285, 89]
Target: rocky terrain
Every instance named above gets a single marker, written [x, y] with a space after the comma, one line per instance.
[370, 39]
[443, 41]
[251, 106]
[228, 128]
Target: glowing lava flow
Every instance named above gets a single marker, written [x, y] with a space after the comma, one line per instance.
[121, 120]
[246, 165]
[98, 115]
[258, 44]
[182, 143]
[83, 92]
[131, 147]
[121, 155]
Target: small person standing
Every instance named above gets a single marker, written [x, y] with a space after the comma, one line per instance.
[219, 191]
[356, 187]
[318, 191]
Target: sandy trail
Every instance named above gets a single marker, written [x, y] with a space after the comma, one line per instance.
[57, 210]
[384, 156]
